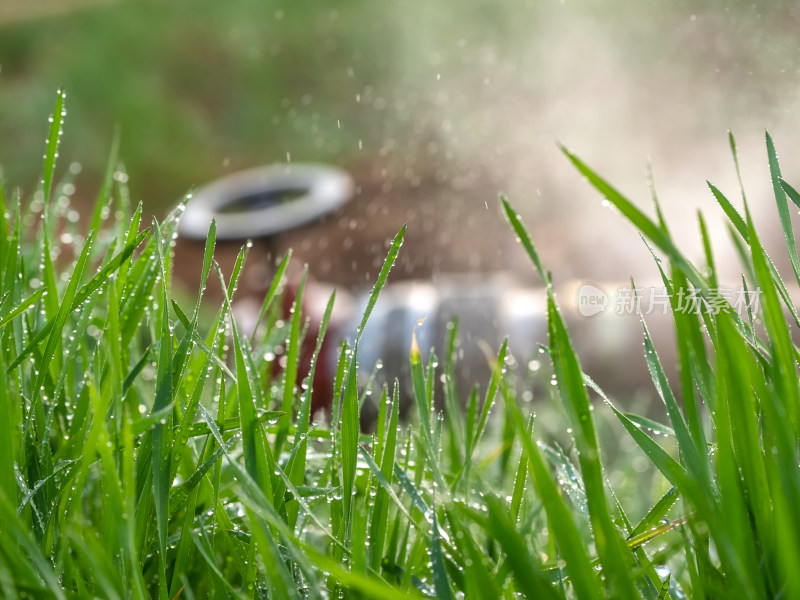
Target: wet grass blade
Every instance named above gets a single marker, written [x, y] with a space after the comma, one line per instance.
[162, 432]
[669, 467]
[783, 359]
[520, 480]
[50, 157]
[710, 266]
[524, 238]
[349, 446]
[290, 370]
[386, 486]
[421, 395]
[531, 581]
[791, 192]
[656, 514]
[8, 442]
[40, 569]
[733, 215]
[783, 206]
[350, 412]
[53, 140]
[380, 511]
[441, 580]
[391, 256]
[491, 393]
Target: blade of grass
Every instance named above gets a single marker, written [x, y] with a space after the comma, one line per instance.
[672, 470]
[616, 561]
[531, 580]
[520, 480]
[8, 441]
[298, 470]
[349, 445]
[656, 514]
[290, 370]
[350, 416]
[380, 510]
[391, 256]
[441, 580]
[783, 206]
[429, 447]
[162, 432]
[785, 377]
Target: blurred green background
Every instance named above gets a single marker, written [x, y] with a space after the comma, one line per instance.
[434, 107]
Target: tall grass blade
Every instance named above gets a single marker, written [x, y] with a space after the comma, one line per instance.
[441, 580]
[782, 348]
[53, 139]
[391, 256]
[783, 206]
[524, 238]
[290, 370]
[8, 414]
[162, 438]
[380, 511]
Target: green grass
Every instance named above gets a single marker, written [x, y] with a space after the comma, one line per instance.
[145, 452]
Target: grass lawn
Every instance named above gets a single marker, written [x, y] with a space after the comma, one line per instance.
[146, 453]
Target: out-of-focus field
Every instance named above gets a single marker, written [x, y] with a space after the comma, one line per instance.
[434, 108]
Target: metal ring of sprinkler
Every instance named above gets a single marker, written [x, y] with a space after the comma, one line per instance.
[261, 202]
